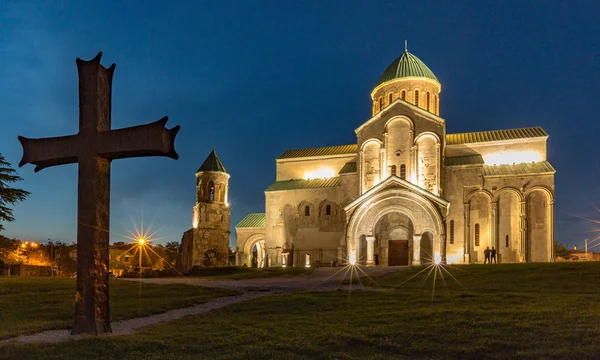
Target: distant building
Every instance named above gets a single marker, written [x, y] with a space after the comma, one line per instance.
[406, 192]
[207, 242]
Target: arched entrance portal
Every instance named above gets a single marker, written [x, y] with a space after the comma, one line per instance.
[393, 235]
[398, 222]
[255, 254]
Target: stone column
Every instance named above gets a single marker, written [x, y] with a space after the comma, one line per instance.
[494, 228]
[551, 231]
[416, 250]
[523, 231]
[382, 165]
[467, 229]
[438, 168]
[413, 164]
[361, 165]
[370, 250]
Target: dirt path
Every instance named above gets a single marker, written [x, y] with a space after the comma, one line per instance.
[322, 279]
[126, 327]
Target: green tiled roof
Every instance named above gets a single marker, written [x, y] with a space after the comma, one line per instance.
[536, 168]
[406, 65]
[349, 167]
[212, 163]
[320, 151]
[495, 135]
[303, 184]
[464, 160]
[252, 220]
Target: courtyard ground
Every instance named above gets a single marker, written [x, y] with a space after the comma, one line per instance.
[526, 311]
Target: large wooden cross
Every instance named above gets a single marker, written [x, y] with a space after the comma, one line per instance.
[93, 148]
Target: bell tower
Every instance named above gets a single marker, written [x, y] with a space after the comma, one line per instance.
[208, 240]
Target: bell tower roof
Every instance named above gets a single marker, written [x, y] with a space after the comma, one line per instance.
[212, 163]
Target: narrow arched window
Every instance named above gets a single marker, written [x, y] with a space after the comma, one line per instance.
[390, 99]
[393, 170]
[307, 210]
[428, 99]
[403, 171]
[403, 95]
[211, 191]
[506, 240]
[417, 97]
[476, 234]
[435, 104]
[328, 210]
[451, 232]
[380, 103]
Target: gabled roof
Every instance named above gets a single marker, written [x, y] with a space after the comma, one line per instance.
[495, 135]
[303, 184]
[464, 160]
[320, 151]
[212, 163]
[405, 184]
[252, 221]
[535, 168]
[348, 168]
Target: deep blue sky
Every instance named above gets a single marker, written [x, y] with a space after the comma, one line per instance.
[255, 78]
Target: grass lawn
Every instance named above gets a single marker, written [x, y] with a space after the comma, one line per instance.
[33, 304]
[527, 311]
[242, 273]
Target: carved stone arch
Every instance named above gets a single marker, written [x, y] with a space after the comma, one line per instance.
[509, 189]
[480, 191]
[406, 119]
[323, 208]
[545, 190]
[424, 134]
[210, 191]
[405, 93]
[302, 210]
[369, 141]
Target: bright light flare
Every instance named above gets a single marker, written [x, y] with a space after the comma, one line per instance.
[352, 259]
[437, 258]
[141, 241]
[321, 173]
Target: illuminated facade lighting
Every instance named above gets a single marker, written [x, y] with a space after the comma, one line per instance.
[321, 173]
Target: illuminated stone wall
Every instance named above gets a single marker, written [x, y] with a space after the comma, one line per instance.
[409, 86]
[370, 165]
[290, 169]
[317, 234]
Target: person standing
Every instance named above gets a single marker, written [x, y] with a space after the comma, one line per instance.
[493, 255]
[486, 253]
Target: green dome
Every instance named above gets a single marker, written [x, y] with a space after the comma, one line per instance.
[406, 65]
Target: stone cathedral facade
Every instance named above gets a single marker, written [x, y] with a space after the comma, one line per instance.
[407, 192]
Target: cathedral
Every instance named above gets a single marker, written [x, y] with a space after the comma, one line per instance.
[407, 192]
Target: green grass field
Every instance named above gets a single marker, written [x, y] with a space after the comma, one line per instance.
[527, 311]
[33, 304]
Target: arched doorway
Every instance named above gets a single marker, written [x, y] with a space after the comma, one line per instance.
[287, 254]
[393, 234]
[426, 255]
[210, 258]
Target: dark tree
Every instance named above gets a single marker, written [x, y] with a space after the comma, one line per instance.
[8, 195]
[560, 250]
[172, 245]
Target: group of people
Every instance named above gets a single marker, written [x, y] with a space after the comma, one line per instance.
[490, 255]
